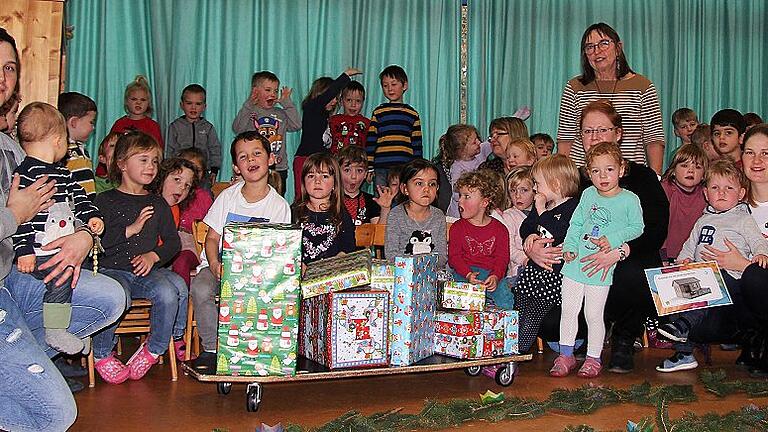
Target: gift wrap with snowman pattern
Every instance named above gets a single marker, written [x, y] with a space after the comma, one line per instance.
[471, 334]
[345, 329]
[414, 299]
[337, 273]
[463, 296]
[260, 293]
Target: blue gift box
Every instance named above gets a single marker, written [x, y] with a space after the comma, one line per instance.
[414, 298]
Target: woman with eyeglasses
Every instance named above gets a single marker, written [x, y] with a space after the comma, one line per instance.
[629, 300]
[754, 278]
[501, 132]
[605, 74]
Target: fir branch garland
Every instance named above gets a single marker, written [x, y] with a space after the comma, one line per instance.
[583, 400]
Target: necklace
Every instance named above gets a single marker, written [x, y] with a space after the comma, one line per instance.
[613, 90]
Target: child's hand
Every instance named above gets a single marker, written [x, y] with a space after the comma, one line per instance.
[26, 263]
[491, 283]
[603, 244]
[96, 225]
[136, 227]
[215, 267]
[142, 264]
[528, 243]
[385, 197]
[569, 256]
[761, 260]
[540, 201]
[353, 71]
[684, 262]
[472, 278]
[285, 93]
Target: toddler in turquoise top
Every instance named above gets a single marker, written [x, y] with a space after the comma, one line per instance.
[606, 217]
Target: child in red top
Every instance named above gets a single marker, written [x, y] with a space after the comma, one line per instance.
[351, 127]
[682, 183]
[479, 248]
[138, 105]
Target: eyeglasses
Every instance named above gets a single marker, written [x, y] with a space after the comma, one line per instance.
[603, 44]
[497, 134]
[597, 131]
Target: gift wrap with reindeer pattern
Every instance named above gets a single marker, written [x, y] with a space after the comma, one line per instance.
[470, 335]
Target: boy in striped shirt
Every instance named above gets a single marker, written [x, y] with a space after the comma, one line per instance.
[79, 112]
[394, 137]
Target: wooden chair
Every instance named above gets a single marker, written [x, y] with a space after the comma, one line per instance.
[135, 321]
[217, 187]
[191, 338]
[368, 235]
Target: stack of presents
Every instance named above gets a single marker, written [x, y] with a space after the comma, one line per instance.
[346, 312]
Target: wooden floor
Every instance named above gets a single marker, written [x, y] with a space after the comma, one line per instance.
[157, 404]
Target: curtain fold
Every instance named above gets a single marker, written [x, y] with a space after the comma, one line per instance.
[704, 54]
[220, 44]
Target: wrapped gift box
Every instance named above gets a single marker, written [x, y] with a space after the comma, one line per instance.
[382, 275]
[463, 296]
[414, 300]
[468, 334]
[259, 307]
[345, 329]
[337, 274]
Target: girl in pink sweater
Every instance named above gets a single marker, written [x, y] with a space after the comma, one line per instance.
[519, 186]
[682, 182]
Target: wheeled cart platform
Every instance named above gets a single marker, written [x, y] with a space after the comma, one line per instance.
[308, 370]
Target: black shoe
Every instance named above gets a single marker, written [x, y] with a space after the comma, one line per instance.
[74, 385]
[622, 356]
[205, 363]
[69, 370]
[752, 349]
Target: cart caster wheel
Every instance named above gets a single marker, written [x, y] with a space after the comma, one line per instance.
[473, 371]
[505, 376]
[253, 397]
[223, 388]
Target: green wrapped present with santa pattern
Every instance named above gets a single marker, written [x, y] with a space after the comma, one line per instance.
[260, 294]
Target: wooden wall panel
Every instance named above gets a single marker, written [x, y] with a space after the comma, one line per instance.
[37, 27]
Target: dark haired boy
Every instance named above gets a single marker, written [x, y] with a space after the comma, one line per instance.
[544, 145]
[79, 112]
[351, 127]
[261, 113]
[728, 127]
[250, 200]
[192, 130]
[361, 206]
[394, 136]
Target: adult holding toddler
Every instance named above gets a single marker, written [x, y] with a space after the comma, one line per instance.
[755, 163]
[629, 304]
[33, 396]
[605, 74]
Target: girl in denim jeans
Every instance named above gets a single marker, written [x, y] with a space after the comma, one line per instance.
[139, 238]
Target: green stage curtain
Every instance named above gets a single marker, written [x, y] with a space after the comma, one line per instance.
[220, 44]
[703, 54]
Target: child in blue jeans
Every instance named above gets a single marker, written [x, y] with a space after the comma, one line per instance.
[478, 251]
